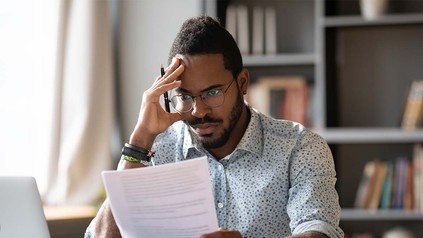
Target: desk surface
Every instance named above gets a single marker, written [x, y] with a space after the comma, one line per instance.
[69, 212]
[68, 221]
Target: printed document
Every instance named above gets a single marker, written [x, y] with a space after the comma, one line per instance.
[165, 201]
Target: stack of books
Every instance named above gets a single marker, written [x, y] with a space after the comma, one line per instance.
[392, 184]
[282, 97]
[262, 28]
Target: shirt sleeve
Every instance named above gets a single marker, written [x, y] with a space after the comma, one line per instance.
[89, 233]
[313, 203]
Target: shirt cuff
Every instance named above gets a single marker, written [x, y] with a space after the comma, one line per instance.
[89, 233]
[319, 226]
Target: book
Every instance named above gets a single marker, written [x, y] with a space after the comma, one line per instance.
[400, 171]
[258, 30]
[243, 35]
[364, 186]
[231, 21]
[298, 104]
[371, 185]
[417, 162]
[277, 97]
[270, 30]
[385, 200]
[378, 181]
[408, 199]
[282, 97]
[413, 111]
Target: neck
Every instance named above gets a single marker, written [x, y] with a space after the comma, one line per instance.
[235, 137]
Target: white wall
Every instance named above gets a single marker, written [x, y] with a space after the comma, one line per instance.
[146, 29]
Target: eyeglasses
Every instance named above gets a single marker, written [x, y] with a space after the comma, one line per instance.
[212, 98]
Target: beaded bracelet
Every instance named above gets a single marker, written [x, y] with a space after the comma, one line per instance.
[134, 160]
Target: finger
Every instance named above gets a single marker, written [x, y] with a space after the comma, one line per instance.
[162, 88]
[156, 80]
[173, 65]
[174, 75]
[169, 77]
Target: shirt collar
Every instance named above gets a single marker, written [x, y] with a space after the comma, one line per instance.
[188, 142]
[251, 141]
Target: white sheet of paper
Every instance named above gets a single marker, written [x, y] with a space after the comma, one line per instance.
[165, 201]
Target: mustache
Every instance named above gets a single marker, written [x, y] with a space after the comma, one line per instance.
[206, 119]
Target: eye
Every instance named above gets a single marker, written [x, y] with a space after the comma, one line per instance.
[185, 97]
[213, 92]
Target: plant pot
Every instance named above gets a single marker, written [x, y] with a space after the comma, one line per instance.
[373, 9]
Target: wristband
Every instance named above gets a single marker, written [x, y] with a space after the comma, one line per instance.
[139, 149]
[133, 160]
[136, 152]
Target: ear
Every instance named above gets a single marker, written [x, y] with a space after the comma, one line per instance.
[243, 80]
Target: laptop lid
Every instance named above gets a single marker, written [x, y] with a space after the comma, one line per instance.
[21, 210]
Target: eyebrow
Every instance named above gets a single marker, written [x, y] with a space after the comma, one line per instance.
[179, 89]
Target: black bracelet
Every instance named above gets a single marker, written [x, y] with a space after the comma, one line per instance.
[136, 148]
[137, 152]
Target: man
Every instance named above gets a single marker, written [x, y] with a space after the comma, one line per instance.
[271, 178]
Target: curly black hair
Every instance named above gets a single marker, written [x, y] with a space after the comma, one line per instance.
[205, 35]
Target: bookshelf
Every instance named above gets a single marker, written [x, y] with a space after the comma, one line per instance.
[349, 214]
[366, 69]
[359, 71]
[370, 135]
[350, 21]
[279, 60]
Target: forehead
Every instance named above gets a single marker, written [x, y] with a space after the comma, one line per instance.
[201, 71]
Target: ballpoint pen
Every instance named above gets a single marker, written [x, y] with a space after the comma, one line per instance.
[165, 95]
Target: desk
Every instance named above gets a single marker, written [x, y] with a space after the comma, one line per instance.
[68, 221]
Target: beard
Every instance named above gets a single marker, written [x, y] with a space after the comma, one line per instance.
[207, 142]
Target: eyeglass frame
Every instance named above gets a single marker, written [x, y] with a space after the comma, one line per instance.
[201, 97]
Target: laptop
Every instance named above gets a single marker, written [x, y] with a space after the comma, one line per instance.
[21, 210]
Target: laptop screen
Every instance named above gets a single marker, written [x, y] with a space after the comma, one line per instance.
[21, 210]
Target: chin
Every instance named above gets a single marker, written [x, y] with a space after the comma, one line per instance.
[212, 143]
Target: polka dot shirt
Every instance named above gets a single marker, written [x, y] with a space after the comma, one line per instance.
[280, 180]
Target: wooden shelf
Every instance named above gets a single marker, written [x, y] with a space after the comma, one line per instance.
[279, 59]
[351, 214]
[371, 135]
[393, 19]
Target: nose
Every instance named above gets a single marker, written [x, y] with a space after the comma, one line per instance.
[199, 108]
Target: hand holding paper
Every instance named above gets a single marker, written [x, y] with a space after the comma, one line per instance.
[172, 200]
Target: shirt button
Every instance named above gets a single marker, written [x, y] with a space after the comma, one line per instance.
[219, 205]
[219, 167]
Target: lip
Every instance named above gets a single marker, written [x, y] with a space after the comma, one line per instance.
[205, 129]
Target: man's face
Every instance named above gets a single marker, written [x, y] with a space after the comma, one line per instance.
[212, 126]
